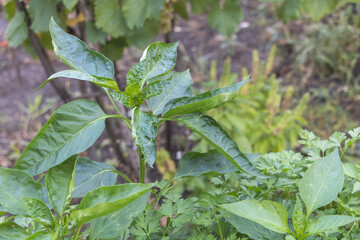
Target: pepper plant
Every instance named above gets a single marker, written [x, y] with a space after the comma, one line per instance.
[155, 94]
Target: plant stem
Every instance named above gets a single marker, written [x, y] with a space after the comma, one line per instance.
[141, 167]
[220, 230]
[78, 232]
[127, 121]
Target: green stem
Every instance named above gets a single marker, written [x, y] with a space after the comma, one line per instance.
[221, 236]
[78, 232]
[141, 167]
[122, 175]
[127, 121]
[351, 229]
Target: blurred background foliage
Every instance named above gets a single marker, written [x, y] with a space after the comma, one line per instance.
[303, 57]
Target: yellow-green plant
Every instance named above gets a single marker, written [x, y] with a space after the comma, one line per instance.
[263, 116]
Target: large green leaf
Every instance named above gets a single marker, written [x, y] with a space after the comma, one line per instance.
[144, 133]
[160, 58]
[90, 175]
[322, 182]
[115, 224]
[14, 185]
[252, 229]
[269, 214]
[137, 11]
[9, 10]
[17, 32]
[12, 231]
[225, 18]
[319, 8]
[40, 12]
[152, 89]
[218, 138]
[95, 35]
[142, 37]
[100, 81]
[106, 200]
[178, 87]
[298, 217]
[110, 18]
[72, 129]
[74, 52]
[289, 10]
[328, 223]
[202, 102]
[195, 164]
[60, 184]
[38, 210]
[123, 98]
[41, 236]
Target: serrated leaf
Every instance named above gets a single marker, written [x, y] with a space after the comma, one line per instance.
[95, 35]
[178, 87]
[14, 185]
[201, 102]
[351, 170]
[10, 230]
[38, 210]
[226, 18]
[17, 32]
[198, 7]
[90, 175]
[137, 11]
[110, 18]
[160, 58]
[72, 129]
[114, 48]
[105, 200]
[116, 223]
[41, 12]
[144, 133]
[100, 81]
[70, 4]
[142, 37]
[319, 8]
[298, 218]
[60, 184]
[322, 182]
[218, 138]
[328, 223]
[269, 214]
[194, 164]
[74, 52]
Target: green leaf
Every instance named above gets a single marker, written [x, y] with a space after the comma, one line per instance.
[14, 185]
[351, 170]
[100, 81]
[116, 223]
[198, 7]
[160, 58]
[106, 200]
[319, 8]
[141, 37]
[178, 87]
[217, 137]
[70, 4]
[226, 18]
[250, 228]
[298, 218]
[144, 133]
[269, 214]
[322, 182]
[289, 237]
[95, 35]
[137, 11]
[180, 8]
[109, 17]
[202, 102]
[74, 52]
[114, 48]
[152, 89]
[9, 10]
[60, 184]
[289, 10]
[356, 187]
[123, 98]
[194, 164]
[90, 175]
[12, 231]
[17, 32]
[38, 210]
[41, 12]
[72, 129]
[329, 223]
[41, 236]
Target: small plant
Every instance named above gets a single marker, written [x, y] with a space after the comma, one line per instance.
[75, 126]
